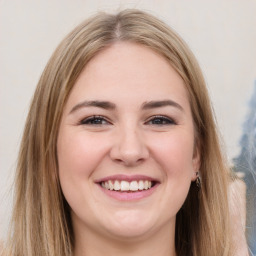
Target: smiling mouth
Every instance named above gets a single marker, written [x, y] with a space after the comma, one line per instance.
[126, 186]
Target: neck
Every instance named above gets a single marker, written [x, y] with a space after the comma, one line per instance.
[93, 244]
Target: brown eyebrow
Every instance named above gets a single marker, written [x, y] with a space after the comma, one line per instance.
[110, 106]
[162, 103]
[93, 103]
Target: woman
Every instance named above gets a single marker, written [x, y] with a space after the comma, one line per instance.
[120, 153]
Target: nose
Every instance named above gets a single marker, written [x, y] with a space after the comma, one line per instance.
[129, 148]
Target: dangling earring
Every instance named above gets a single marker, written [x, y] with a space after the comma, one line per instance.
[198, 180]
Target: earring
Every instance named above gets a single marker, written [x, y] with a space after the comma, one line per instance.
[198, 180]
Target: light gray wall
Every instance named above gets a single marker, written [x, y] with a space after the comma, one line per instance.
[221, 33]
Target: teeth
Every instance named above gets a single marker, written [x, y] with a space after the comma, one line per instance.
[117, 185]
[127, 186]
[146, 184]
[111, 185]
[141, 185]
[134, 186]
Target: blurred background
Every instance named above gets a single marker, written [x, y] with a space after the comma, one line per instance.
[221, 33]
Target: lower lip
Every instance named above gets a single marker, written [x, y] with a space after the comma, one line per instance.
[129, 196]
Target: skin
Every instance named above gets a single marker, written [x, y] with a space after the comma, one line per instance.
[128, 139]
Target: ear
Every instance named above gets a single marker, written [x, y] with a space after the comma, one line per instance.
[196, 161]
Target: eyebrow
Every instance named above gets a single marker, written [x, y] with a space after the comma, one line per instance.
[94, 103]
[162, 103]
[110, 106]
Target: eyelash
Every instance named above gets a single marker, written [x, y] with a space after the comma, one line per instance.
[101, 120]
[91, 119]
[161, 120]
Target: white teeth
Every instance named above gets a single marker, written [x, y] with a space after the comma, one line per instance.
[117, 185]
[106, 185]
[141, 185]
[127, 186]
[134, 186]
[146, 184]
[111, 185]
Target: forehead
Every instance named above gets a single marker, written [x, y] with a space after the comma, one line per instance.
[128, 71]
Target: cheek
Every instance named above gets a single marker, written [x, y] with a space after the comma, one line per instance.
[79, 154]
[174, 152]
[78, 157]
[176, 157]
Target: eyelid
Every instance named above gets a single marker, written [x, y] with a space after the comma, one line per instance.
[168, 120]
[171, 120]
[94, 117]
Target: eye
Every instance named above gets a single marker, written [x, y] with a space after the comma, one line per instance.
[160, 120]
[94, 120]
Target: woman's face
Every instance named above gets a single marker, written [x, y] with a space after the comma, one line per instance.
[126, 144]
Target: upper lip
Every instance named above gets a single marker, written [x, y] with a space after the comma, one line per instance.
[124, 177]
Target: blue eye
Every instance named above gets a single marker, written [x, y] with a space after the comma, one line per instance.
[94, 120]
[161, 120]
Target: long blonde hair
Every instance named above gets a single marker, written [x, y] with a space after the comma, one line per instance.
[41, 222]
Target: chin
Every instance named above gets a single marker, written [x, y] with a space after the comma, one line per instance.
[129, 234]
[130, 224]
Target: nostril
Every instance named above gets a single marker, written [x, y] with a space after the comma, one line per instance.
[129, 149]
[130, 161]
